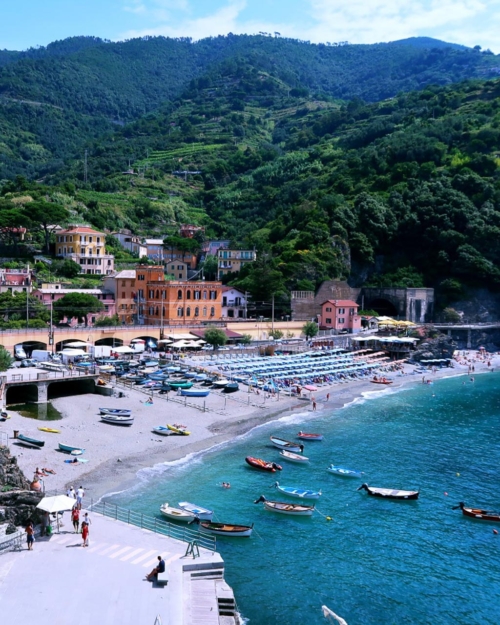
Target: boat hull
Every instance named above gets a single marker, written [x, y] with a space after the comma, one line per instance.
[389, 493]
[232, 387]
[287, 445]
[177, 514]
[290, 509]
[162, 431]
[178, 430]
[223, 529]
[69, 448]
[299, 493]
[482, 515]
[115, 420]
[343, 472]
[194, 392]
[201, 513]
[291, 457]
[116, 412]
[263, 465]
[306, 436]
[30, 442]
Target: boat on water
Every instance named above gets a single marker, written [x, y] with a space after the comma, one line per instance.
[116, 412]
[477, 513]
[389, 493]
[226, 529]
[258, 463]
[70, 449]
[300, 493]
[51, 430]
[117, 419]
[163, 430]
[291, 457]
[283, 507]
[376, 380]
[177, 514]
[309, 436]
[281, 443]
[204, 514]
[194, 392]
[231, 387]
[178, 429]
[343, 472]
[30, 442]
[331, 617]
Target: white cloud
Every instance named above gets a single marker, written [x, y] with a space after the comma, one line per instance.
[356, 21]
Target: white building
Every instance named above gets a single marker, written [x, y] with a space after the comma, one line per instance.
[131, 242]
[234, 303]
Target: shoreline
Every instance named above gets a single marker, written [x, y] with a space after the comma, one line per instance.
[117, 459]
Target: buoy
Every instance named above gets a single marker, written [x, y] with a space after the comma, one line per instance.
[458, 474]
[446, 494]
[495, 532]
[328, 518]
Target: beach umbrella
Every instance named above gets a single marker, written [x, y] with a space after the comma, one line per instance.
[76, 344]
[123, 349]
[58, 503]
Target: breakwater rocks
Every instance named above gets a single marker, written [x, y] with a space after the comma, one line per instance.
[17, 502]
[442, 346]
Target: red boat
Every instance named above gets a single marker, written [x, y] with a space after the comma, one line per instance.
[476, 513]
[308, 436]
[258, 463]
[376, 380]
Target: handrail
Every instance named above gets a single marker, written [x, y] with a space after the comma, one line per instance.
[184, 534]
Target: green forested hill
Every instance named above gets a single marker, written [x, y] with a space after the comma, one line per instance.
[53, 99]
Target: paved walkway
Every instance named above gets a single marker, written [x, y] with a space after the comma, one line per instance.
[61, 583]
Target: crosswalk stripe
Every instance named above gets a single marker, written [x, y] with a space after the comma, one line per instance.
[96, 546]
[174, 557]
[109, 549]
[120, 552]
[131, 555]
[144, 556]
[66, 539]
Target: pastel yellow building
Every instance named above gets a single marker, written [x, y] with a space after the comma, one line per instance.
[85, 246]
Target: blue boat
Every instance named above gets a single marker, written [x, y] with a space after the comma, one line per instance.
[163, 430]
[194, 392]
[301, 493]
[69, 449]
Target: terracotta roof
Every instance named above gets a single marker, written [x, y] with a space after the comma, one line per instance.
[80, 230]
[341, 302]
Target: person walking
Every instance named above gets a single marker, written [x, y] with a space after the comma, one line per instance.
[80, 494]
[71, 492]
[86, 519]
[30, 535]
[85, 535]
[75, 517]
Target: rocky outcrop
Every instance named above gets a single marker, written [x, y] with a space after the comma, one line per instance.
[442, 346]
[17, 502]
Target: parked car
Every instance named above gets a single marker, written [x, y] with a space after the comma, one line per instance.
[29, 362]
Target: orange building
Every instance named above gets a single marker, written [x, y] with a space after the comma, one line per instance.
[122, 285]
[144, 275]
[182, 302]
[341, 315]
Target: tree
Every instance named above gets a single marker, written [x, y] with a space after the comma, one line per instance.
[246, 339]
[11, 219]
[67, 268]
[215, 337]
[276, 334]
[210, 267]
[5, 359]
[310, 329]
[105, 322]
[46, 215]
[77, 305]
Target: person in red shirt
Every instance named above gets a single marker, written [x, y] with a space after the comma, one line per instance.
[85, 534]
[75, 517]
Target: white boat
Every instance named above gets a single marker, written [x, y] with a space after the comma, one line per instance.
[201, 513]
[117, 420]
[283, 507]
[343, 472]
[177, 514]
[162, 430]
[301, 493]
[288, 455]
[331, 617]
[116, 412]
[281, 443]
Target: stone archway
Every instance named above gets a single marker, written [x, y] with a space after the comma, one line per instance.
[382, 306]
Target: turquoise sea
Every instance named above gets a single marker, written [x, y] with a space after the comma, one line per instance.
[377, 561]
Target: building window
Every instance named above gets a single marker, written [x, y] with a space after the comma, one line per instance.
[172, 267]
[179, 294]
[328, 321]
[351, 311]
[212, 312]
[196, 295]
[140, 277]
[213, 294]
[204, 311]
[204, 295]
[151, 293]
[196, 312]
[98, 239]
[157, 310]
[151, 311]
[342, 320]
[341, 311]
[123, 283]
[179, 312]
[90, 239]
[328, 310]
[188, 311]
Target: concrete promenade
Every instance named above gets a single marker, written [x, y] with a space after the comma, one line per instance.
[60, 582]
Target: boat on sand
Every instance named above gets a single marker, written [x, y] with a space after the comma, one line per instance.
[116, 412]
[117, 419]
[30, 442]
[178, 429]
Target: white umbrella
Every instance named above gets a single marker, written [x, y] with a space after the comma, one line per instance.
[56, 504]
[166, 341]
[123, 349]
[179, 344]
[74, 352]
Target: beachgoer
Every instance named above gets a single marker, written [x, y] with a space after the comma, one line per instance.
[30, 535]
[75, 517]
[85, 535]
[314, 404]
[45, 523]
[80, 494]
[87, 519]
[158, 569]
[71, 491]
[51, 471]
[328, 397]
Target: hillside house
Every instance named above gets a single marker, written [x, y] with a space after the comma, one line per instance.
[340, 315]
[86, 247]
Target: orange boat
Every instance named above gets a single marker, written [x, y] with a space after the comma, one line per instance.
[258, 463]
[309, 436]
[476, 513]
[380, 381]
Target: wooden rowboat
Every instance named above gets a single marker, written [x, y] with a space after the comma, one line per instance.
[389, 493]
[343, 472]
[30, 442]
[291, 457]
[307, 436]
[281, 443]
[51, 430]
[204, 514]
[177, 514]
[69, 449]
[292, 509]
[258, 463]
[301, 493]
[477, 513]
[226, 529]
[117, 419]
[194, 392]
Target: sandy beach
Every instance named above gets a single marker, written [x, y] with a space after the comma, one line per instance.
[115, 454]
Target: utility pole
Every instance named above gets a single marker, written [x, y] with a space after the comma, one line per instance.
[272, 315]
[85, 168]
[161, 313]
[51, 329]
[246, 304]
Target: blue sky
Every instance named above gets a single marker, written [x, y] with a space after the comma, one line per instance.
[26, 23]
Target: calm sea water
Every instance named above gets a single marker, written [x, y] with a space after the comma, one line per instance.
[376, 562]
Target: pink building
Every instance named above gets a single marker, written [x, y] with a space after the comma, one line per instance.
[340, 314]
[48, 296]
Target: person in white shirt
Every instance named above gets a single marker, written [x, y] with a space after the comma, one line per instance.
[86, 519]
[80, 494]
[71, 492]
